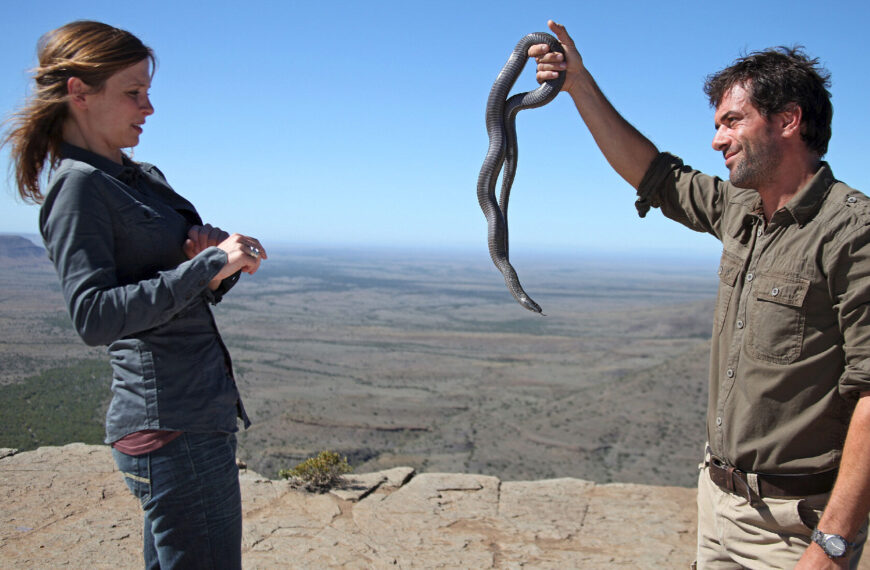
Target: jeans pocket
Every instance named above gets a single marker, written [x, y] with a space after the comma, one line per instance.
[136, 472]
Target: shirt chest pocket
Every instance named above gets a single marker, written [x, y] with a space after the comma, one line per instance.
[729, 269]
[137, 219]
[145, 238]
[776, 317]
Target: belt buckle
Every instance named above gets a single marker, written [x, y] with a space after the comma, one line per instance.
[733, 477]
[727, 470]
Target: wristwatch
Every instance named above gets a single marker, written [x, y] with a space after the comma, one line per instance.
[834, 545]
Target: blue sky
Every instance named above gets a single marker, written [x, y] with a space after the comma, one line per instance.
[363, 122]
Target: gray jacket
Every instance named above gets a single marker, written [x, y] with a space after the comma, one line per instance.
[115, 235]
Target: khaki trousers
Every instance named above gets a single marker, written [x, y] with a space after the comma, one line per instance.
[772, 534]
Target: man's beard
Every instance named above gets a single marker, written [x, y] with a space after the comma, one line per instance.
[757, 165]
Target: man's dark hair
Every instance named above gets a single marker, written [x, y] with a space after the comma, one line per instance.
[777, 77]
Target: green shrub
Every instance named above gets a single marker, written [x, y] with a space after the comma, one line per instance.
[57, 406]
[319, 474]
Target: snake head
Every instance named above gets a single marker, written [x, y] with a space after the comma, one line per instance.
[527, 302]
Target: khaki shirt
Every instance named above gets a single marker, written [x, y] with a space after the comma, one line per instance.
[791, 332]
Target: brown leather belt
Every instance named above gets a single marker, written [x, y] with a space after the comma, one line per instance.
[774, 486]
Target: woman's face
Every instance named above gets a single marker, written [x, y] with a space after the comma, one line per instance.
[116, 113]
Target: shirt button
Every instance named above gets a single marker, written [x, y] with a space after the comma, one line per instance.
[774, 291]
[729, 373]
[739, 324]
[718, 421]
[851, 199]
[720, 271]
[760, 232]
[749, 276]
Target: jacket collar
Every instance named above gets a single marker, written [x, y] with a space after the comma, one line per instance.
[807, 202]
[126, 172]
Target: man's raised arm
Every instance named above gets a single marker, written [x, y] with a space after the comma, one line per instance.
[625, 148]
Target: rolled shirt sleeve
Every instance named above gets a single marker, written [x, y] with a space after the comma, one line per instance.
[850, 283]
[683, 194]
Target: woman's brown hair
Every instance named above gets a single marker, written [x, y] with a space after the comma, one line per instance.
[91, 51]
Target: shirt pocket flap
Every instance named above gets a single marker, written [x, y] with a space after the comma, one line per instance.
[137, 213]
[787, 290]
[729, 268]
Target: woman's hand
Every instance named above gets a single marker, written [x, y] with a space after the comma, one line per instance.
[243, 253]
[201, 237]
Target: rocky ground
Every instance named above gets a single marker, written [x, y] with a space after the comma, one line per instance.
[68, 507]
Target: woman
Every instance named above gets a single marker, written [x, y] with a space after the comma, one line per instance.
[138, 269]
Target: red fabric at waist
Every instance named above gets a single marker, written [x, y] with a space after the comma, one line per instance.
[145, 441]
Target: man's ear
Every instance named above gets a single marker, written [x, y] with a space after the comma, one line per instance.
[789, 120]
[77, 90]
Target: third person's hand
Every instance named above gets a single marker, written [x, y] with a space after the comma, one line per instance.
[551, 63]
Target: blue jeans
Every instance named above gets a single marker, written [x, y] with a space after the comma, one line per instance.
[189, 490]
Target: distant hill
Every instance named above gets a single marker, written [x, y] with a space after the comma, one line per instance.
[17, 247]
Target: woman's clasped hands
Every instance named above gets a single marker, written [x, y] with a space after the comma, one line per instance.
[243, 252]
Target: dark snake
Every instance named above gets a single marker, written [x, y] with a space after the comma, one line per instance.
[501, 114]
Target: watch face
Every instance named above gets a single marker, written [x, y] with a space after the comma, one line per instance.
[835, 546]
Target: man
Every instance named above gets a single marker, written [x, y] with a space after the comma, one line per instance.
[786, 479]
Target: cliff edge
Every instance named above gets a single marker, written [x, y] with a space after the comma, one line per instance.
[68, 506]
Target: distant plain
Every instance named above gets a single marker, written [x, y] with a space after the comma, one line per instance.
[422, 359]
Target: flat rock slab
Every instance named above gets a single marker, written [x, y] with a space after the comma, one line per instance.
[357, 487]
[68, 506]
